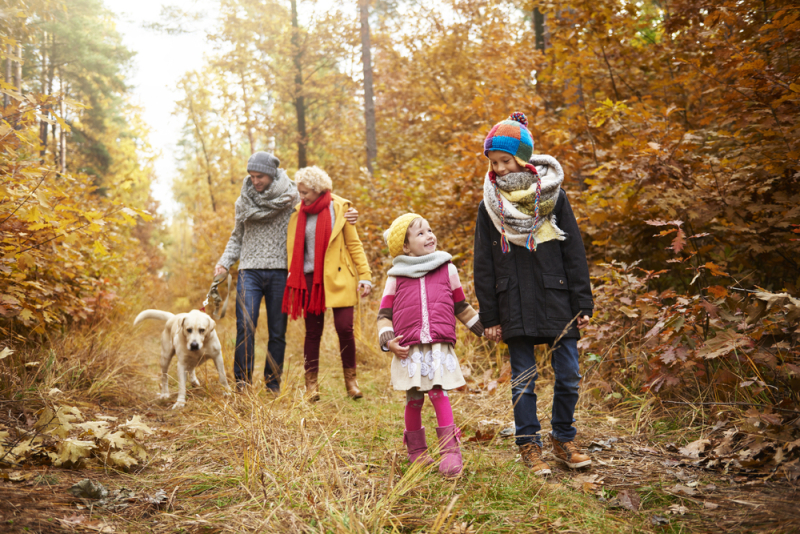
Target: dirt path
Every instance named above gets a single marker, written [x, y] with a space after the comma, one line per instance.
[258, 463]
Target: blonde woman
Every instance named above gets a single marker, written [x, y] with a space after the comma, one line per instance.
[327, 269]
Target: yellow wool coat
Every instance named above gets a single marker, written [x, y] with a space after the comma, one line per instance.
[345, 261]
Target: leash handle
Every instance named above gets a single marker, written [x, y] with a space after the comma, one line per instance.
[219, 313]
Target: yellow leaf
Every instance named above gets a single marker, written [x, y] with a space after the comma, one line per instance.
[42, 198]
[117, 440]
[25, 261]
[99, 249]
[71, 451]
[58, 423]
[137, 427]
[97, 429]
[5, 353]
[122, 459]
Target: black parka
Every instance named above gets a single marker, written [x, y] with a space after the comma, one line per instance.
[531, 293]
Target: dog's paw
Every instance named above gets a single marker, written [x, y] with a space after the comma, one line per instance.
[178, 405]
[162, 396]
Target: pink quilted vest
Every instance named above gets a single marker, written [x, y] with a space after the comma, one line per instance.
[423, 308]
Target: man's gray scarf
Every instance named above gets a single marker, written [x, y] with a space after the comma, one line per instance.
[278, 196]
[518, 217]
[418, 266]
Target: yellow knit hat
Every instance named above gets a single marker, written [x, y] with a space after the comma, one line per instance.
[395, 236]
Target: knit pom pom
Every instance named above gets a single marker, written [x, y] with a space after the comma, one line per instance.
[520, 118]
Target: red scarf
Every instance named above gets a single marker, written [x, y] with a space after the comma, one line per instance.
[296, 296]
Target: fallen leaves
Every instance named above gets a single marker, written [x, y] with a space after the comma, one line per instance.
[61, 436]
[695, 448]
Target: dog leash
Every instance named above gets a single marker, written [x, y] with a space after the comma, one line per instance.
[213, 296]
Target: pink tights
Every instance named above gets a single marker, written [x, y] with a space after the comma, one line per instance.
[441, 404]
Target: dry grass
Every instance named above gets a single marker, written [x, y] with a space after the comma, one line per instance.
[259, 463]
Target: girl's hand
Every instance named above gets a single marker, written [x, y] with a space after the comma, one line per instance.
[394, 346]
[583, 322]
[495, 333]
[219, 269]
[351, 216]
[364, 289]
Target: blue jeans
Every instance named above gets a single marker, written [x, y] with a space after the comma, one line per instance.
[523, 382]
[252, 286]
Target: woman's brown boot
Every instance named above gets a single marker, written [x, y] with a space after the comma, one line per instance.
[351, 384]
[312, 388]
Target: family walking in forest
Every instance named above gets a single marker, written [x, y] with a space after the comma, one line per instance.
[299, 250]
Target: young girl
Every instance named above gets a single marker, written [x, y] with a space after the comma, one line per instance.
[532, 283]
[421, 300]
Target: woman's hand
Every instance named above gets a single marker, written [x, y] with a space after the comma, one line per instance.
[351, 216]
[218, 270]
[495, 333]
[394, 346]
[583, 322]
[364, 289]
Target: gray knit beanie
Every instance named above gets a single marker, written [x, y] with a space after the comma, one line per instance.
[264, 162]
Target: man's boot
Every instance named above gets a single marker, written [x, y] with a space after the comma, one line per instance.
[532, 458]
[417, 446]
[568, 453]
[351, 384]
[312, 388]
[452, 464]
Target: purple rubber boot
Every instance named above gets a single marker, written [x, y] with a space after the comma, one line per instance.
[449, 438]
[417, 446]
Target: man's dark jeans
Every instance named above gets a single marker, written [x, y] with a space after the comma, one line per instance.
[565, 391]
[252, 286]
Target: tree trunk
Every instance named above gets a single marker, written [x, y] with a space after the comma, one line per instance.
[205, 151]
[299, 99]
[539, 29]
[369, 97]
[247, 122]
[47, 89]
[7, 78]
[62, 153]
[18, 77]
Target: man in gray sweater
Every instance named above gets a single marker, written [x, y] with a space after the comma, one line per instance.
[258, 242]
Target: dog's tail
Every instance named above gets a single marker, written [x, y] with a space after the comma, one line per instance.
[153, 314]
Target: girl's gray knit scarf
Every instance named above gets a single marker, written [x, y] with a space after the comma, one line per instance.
[512, 204]
[254, 206]
[418, 266]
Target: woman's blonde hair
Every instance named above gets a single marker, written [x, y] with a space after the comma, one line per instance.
[314, 178]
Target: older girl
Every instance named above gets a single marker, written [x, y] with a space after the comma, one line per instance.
[326, 265]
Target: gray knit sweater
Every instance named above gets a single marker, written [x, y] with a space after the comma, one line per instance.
[259, 243]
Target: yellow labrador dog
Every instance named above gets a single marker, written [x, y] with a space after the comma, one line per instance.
[192, 338]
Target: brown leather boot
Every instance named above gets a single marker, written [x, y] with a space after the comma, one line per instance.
[351, 384]
[312, 388]
[569, 453]
[532, 458]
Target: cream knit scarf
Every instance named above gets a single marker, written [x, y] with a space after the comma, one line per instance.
[418, 266]
[254, 206]
[514, 212]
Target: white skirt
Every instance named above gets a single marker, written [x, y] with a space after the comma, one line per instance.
[427, 365]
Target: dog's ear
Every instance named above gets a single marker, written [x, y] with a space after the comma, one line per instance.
[211, 325]
[182, 320]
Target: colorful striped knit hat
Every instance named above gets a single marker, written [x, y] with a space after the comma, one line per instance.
[512, 136]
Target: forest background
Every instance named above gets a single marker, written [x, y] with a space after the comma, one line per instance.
[675, 122]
